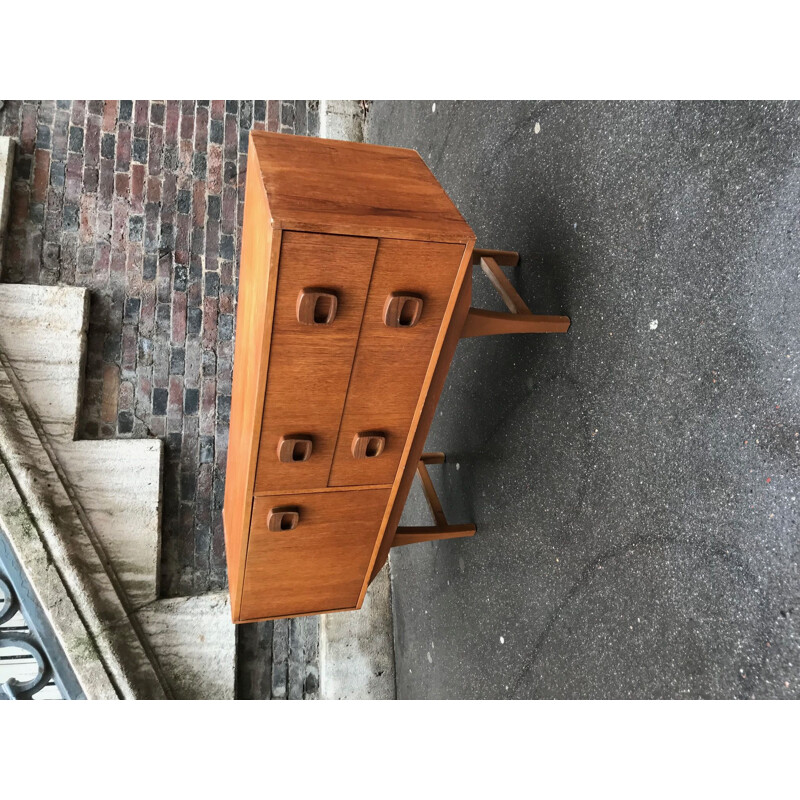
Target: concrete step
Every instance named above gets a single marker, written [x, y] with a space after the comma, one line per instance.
[195, 642]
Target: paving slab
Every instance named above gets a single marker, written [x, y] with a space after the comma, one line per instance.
[635, 481]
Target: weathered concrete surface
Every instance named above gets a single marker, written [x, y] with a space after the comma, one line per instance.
[6, 171]
[634, 482]
[194, 641]
[356, 648]
[117, 483]
[341, 119]
[43, 334]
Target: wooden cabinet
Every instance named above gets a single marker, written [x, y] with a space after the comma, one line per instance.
[354, 289]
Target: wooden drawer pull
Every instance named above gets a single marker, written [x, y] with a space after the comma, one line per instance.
[285, 518]
[316, 307]
[368, 445]
[402, 310]
[294, 448]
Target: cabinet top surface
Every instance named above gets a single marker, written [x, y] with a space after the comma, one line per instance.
[352, 188]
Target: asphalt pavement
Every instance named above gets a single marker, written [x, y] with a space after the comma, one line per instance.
[634, 481]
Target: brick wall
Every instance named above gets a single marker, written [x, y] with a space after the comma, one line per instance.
[141, 202]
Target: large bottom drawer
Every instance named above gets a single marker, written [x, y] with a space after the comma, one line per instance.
[318, 565]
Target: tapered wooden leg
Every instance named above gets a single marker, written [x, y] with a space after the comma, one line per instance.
[409, 534]
[505, 258]
[486, 323]
[441, 530]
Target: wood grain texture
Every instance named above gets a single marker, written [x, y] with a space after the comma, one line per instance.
[414, 534]
[353, 188]
[505, 258]
[318, 566]
[488, 323]
[310, 365]
[391, 363]
[257, 284]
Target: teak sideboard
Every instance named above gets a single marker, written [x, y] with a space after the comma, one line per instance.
[354, 289]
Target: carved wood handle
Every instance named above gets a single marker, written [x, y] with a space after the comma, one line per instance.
[402, 310]
[284, 518]
[292, 449]
[368, 445]
[316, 307]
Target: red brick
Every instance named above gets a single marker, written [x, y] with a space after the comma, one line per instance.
[172, 122]
[118, 261]
[105, 187]
[179, 317]
[208, 407]
[153, 190]
[210, 323]
[175, 402]
[74, 177]
[212, 242]
[154, 150]
[102, 264]
[78, 112]
[110, 115]
[91, 142]
[41, 176]
[137, 188]
[125, 396]
[88, 213]
[103, 224]
[201, 129]
[229, 200]
[187, 119]
[123, 153]
[231, 137]
[274, 115]
[128, 348]
[214, 165]
[147, 311]
[28, 129]
[122, 184]
[182, 239]
[110, 393]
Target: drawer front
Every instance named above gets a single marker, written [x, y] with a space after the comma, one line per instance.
[392, 357]
[320, 564]
[310, 361]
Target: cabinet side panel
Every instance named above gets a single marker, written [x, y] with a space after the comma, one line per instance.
[256, 297]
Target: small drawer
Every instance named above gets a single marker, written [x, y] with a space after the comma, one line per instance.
[320, 563]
